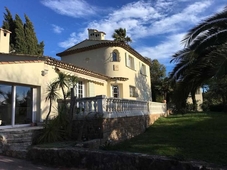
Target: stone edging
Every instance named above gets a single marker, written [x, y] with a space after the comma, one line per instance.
[102, 160]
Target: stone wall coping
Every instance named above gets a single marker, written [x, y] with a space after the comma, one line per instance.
[100, 159]
[21, 128]
[112, 115]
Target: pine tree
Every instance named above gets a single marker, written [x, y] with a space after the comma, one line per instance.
[20, 45]
[30, 37]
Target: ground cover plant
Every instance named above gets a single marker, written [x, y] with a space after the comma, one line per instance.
[194, 136]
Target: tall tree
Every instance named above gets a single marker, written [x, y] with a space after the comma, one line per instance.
[20, 32]
[30, 37]
[204, 55]
[40, 48]
[157, 73]
[20, 44]
[8, 23]
[119, 35]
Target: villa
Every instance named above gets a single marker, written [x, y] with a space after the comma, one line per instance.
[103, 67]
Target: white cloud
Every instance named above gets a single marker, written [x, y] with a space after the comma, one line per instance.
[57, 29]
[72, 8]
[165, 49]
[142, 19]
[73, 39]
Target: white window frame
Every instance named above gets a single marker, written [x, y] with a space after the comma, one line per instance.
[112, 90]
[143, 69]
[79, 86]
[130, 61]
[133, 91]
[34, 97]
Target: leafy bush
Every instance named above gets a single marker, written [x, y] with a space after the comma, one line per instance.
[205, 106]
[57, 129]
[217, 108]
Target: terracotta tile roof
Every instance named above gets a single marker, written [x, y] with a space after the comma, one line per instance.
[22, 61]
[104, 44]
[71, 67]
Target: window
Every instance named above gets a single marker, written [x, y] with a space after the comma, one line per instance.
[143, 69]
[115, 91]
[132, 91]
[115, 56]
[79, 90]
[17, 104]
[130, 62]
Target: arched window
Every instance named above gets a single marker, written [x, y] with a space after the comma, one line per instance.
[115, 56]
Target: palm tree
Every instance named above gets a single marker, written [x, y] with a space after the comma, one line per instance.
[52, 95]
[120, 36]
[62, 82]
[204, 55]
[205, 40]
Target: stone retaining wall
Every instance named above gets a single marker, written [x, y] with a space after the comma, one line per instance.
[102, 160]
[113, 129]
[15, 142]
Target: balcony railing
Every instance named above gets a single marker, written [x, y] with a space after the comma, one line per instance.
[113, 107]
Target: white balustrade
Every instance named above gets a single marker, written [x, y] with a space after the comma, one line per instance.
[115, 107]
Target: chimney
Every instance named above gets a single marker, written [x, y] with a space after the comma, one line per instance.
[4, 40]
[94, 34]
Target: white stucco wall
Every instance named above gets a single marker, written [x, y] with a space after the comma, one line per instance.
[100, 60]
[29, 74]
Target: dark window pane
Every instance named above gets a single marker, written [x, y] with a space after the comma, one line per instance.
[23, 112]
[5, 105]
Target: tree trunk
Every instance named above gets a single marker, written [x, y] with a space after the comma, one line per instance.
[48, 114]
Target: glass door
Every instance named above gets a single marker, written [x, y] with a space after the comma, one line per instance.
[115, 91]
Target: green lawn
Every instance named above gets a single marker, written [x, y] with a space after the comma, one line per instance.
[197, 136]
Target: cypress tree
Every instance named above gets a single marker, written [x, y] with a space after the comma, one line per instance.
[23, 38]
[8, 23]
[20, 45]
[30, 37]
[40, 48]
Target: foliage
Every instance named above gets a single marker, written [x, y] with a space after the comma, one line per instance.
[52, 95]
[23, 38]
[205, 106]
[157, 74]
[204, 56]
[8, 23]
[57, 129]
[197, 136]
[20, 41]
[119, 35]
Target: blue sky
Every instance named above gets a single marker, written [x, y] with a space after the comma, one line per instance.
[155, 26]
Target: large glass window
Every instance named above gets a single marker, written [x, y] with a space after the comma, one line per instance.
[16, 104]
[23, 112]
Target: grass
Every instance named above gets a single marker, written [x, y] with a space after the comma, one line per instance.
[197, 136]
